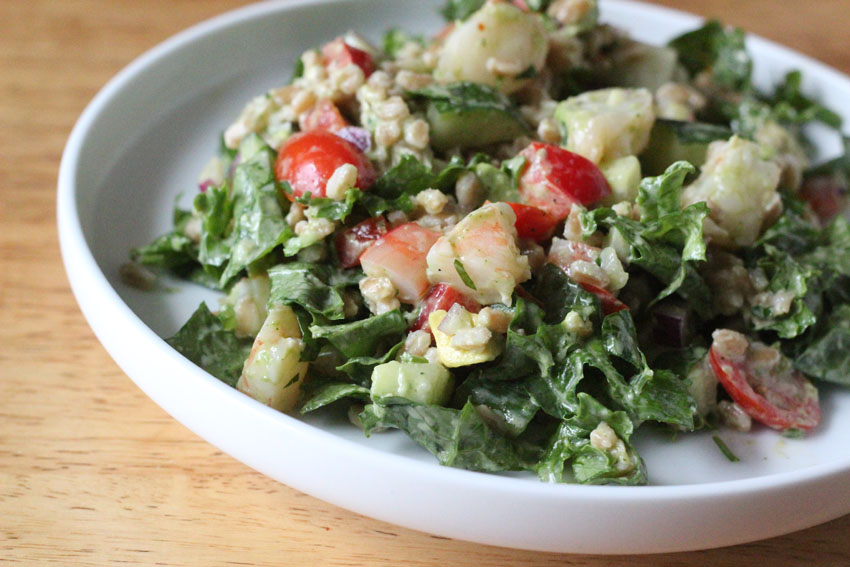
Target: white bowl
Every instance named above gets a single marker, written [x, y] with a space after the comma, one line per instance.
[142, 141]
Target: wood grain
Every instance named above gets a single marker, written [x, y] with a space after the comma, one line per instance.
[91, 471]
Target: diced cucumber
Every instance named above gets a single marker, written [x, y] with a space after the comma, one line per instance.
[673, 140]
[642, 65]
[702, 386]
[425, 383]
[246, 305]
[273, 372]
[497, 183]
[251, 145]
[470, 115]
[623, 175]
[472, 127]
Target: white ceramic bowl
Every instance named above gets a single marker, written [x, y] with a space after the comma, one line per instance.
[142, 141]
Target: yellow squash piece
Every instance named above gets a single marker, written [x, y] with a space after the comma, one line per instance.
[453, 356]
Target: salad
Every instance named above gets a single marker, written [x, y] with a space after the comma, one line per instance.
[522, 238]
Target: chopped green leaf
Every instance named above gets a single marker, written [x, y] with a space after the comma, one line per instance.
[668, 243]
[205, 341]
[719, 49]
[362, 338]
[394, 39]
[460, 9]
[458, 438]
[827, 357]
[315, 287]
[333, 392]
[592, 464]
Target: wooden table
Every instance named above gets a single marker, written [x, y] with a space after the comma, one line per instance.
[91, 471]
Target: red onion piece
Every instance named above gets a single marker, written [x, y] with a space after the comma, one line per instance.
[360, 137]
[671, 325]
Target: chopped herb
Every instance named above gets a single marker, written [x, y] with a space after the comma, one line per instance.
[725, 449]
[461, 271]
[794, 433]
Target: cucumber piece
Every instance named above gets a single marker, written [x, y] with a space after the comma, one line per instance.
[640, 65]
[673, 140]
[425, 383]
[623, 175]
[469, 115]
[251, 145]
[274, 372]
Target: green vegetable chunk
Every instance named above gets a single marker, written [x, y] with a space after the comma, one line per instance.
[205, 341]
[470, 115]
[425, 383]
[672, 140]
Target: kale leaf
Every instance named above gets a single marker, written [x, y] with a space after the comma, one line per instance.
[719, 49]
[667, 242]
[318, 288]
[204, 340]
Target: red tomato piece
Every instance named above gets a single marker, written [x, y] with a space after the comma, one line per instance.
[767, 386]
[826, 195]
[533, 223]
[610, 303]
[554, 179]
[337, 54]
[308, 159]
[323, 116]
[400, 255]
[442, 296]
[352, 242]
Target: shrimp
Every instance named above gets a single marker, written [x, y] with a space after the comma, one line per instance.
[479, 256]
[399, 255]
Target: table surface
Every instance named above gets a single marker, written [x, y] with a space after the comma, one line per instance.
[91, 471]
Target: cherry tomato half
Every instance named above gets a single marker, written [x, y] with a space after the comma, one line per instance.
[610, 303]
[338, 54]
[554, 179]
[442, 296]
[533, 223]
[826, 195]
[352, 242]
[766, 386]
[308, 159]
